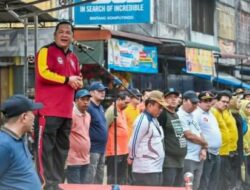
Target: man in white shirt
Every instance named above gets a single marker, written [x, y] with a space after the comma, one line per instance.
[211, 132]
[196, 144]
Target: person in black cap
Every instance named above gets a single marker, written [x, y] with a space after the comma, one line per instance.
[78, 157]
[175, 142]
[196, 144]
[16, 168]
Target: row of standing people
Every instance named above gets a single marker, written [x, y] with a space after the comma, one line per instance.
[190, 136]
[206, 135]
[57, 78]
[202, 138]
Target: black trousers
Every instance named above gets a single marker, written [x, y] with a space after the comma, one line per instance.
[122, 169]
[51, 149]
[225, 179]
[147, 179]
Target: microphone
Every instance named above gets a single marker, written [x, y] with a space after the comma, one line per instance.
[82, 46]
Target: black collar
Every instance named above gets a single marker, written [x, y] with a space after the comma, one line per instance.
[11, 133]
[68, 51]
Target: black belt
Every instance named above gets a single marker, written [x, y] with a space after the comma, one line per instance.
[210, 155]
[233, 153]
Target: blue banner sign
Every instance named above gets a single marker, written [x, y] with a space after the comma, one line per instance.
[113, 12]
[130, 56]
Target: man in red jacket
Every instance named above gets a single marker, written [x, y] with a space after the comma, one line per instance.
[57, 77]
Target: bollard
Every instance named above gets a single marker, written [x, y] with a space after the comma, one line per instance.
[115, 187]
[188, 178]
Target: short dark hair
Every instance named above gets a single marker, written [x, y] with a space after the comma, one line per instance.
[146, 90]
[64, 22]
[220, 94]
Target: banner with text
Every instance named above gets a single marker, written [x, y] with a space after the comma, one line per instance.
[114, 12]
[200, 61]
[130, 56]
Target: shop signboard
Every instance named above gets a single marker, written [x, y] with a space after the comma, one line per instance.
[113, 12]
[200, 61]
[130, 56]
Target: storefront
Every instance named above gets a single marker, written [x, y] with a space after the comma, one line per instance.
[206, 68]
[125, 55]
[182, 62]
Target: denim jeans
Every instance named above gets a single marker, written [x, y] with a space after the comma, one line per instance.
[210, 174]
[95, 171]
[77, 174]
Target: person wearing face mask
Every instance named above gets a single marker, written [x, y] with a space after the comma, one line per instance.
[57, 76]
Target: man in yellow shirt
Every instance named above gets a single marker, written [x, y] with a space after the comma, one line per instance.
[132, 110]
[223, 99]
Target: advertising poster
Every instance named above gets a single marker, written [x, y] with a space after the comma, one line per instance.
[200, 61]
[130, 56]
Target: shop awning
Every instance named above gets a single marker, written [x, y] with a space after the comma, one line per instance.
[244, 70]
[224, 79]
[85, 34]
[18, 7]
[175, 50]
[190, 44]
[5, 64]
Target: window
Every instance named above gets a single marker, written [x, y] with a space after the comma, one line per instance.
[174, 12]
[203, 16]
[244, 29]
